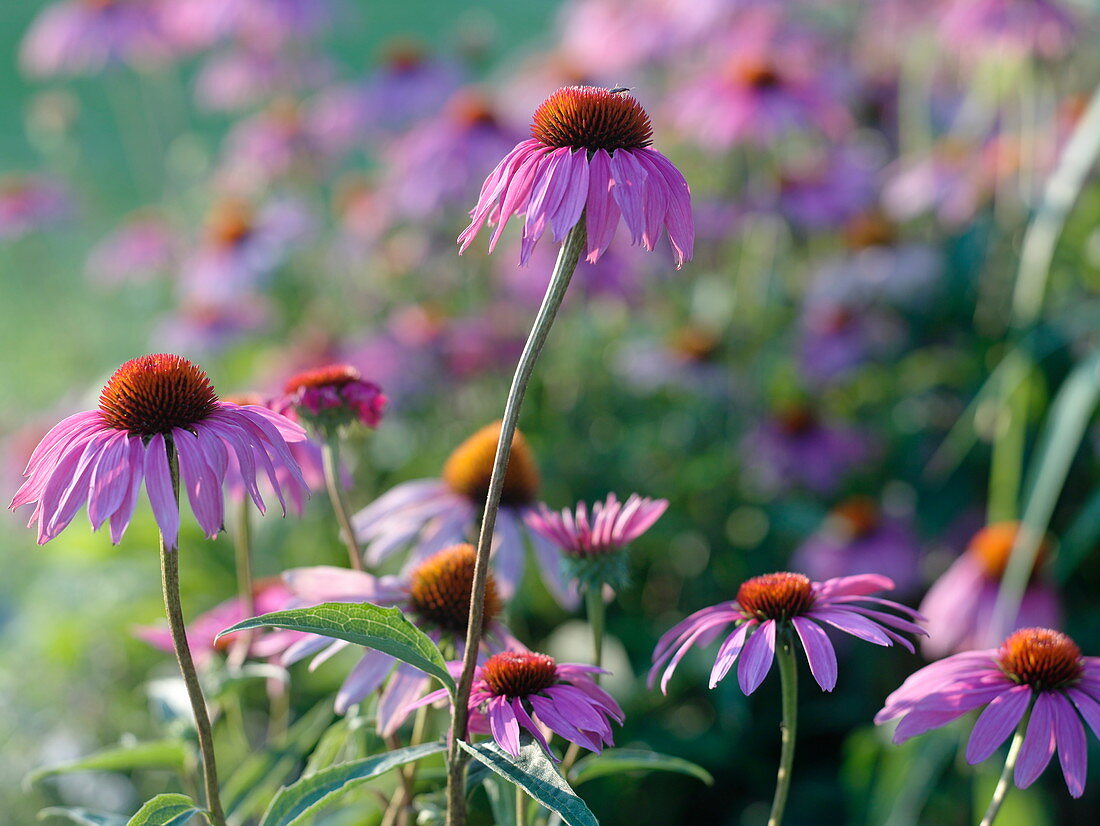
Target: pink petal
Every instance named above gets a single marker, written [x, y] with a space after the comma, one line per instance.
[819, 652]
[997, 722]
[1038, 745]
[158, 483]
[1069, 735]
[756, 657]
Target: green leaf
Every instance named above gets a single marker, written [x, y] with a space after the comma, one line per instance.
[613, 761]
[295, 804]
[383, 629]
[1081, 537]
[535, 774]
[330, 748]
[160, 754]
[165, 810]
[251, 786]
[83, 817]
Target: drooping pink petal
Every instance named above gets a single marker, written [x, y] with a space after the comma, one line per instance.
[120, 519]
[158, 483]
[363, 680]
[504, 725]
[997, 722]
[603, 213]
[819, 652]
[203, 488]
[727, 654]
[1038, 745]
[1069, 735]
[574, 198]
[627, 187]
[851, 623]
[110, 480]
[756, 657]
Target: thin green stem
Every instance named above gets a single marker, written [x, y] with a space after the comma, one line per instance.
[330, 456]
[521, 807]
[597, 610]
[568, 257]
[1005, 780]
[788, 678]
[170, 582]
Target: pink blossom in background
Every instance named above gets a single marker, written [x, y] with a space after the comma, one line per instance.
[211, 327]
[960, 604]
[76, 37]
[29, 203]
[828, 190]
[144, 247]
[246, 76]
[1016, 28]
[199, 24]
[276, 144]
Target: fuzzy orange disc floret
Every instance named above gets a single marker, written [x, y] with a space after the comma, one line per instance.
[777, 596]
[156, 393]
[520, 673]
[591, 117]
[440, 588]
[1041, 658]
[468, 469]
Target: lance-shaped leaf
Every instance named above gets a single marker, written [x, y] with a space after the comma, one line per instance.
[535, 774]
[383, 629]
[160, 754]
[614, 761]
[297, 804]
[82, 817]
[165, 810]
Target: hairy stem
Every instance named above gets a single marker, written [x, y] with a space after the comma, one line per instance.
[170, 582]
[1005, 780]
[330, 456]
[788, 677]
[568, 257]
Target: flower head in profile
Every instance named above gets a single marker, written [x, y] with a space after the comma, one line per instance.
[960, 604]
[1035, 671]
[429, 514]
[153, 408]
[588, 157]
[523, 690]
[435, 594]
[787, 603]
[593, 546]
[333, 397]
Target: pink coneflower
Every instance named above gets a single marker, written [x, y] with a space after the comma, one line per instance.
[273, 145]
[333, 397]
[858, 537]
[588, 155]
[139, 250]
[29, 203]
[153, 407]
[517, 690]
[430, 514]
[202, 632]
[83, 36]
[796, 448]
[960, 604]
[198, 24]
[246, 75]
[773, 605]
[1037, 683]
[436, 594]
[592, 547]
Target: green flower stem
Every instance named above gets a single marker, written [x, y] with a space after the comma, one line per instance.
[330, 458]
[521, 807]
[170, 582]
[1005, 780]
[568, 257]
[596, 610]
[788, 678]
[242, 552]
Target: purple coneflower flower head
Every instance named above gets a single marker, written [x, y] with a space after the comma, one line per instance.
[1008, 27]
[332, 398]
[786, 603]
[859, 538]
[430, 514]
[593, 546]
[517, 690]
[960, 604]
[142, 248]
[1036, 671]
[84, 36]
[795, 448]
[29, 203]
[588, 156]
[150, 406]
[436, 594]
[202, 632]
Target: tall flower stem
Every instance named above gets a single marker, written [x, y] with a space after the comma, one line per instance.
[330, 458]
[568, 257]
[596, 610]
[170, 582]
[788, 678]
[521, 807]
[1006, 773]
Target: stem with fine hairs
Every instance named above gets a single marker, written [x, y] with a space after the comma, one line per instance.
[330, 459]
[788, 678]
[568, 257]
[1006, 773]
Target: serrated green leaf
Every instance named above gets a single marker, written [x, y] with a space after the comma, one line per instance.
[251, 786]
[362, 623]
[614, 761]
[83, 817]
[535, 774]
[295, 802]
[160, 754]
[165, 810]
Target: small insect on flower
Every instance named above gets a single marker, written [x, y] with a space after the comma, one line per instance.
[588, 157]
[1037, 680]
[787, 603]
[517, 690]
[153, 411]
